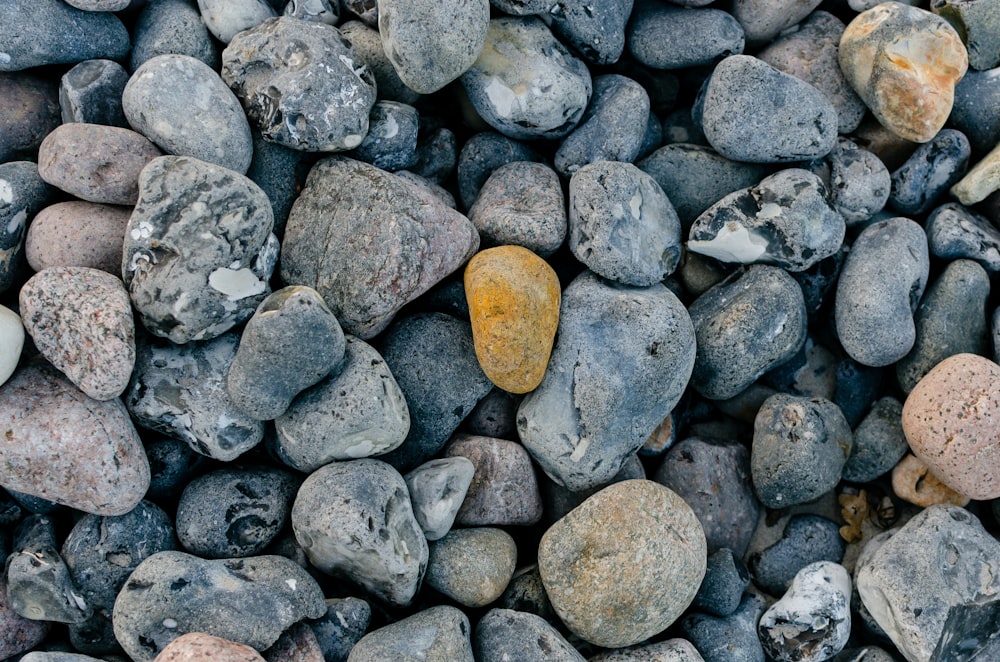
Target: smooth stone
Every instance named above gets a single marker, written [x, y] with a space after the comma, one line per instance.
[184, 107]
[472, 566]
[277, 170]
[856, 180]
[596, 30]
[913, 596]
[11, 342]
[904, 62]
[198, 249]
[432, 52]
[520, 59]
[713, 478]
[611, 129]
[354, 519]
[437, 490]
[391, 143]
[367, 44]
[54, 430]
[623, 565]
[39, 584]
[91, 92]
[671, 650]
[620, 364]
[746, 325]
[433, 359]
[200, 646]
[394, 239]
[356, 412]
[521, 203]
[180, 391]
[880, 285]
[248, 601]
[77, 234]
[728, 639]
[978, 23]
[975, 111]
[56, 656]
[799, 449]
[300, 84]
[172, 26]
[810, 53]
[227, 18]
[232, 513]
[507, 634]
[526, 593]
[920, 183]
[17, 634]
[806, 539]
[763, 20]
[786, 220]
[751, 111]
[913, 482]
[42, 32]
[954, 231]
[296, 644]
[343, 625]
[483, 154]
[981, 180]
[879, 442]
[948, 419]
[622, 225]
[81, 322]
[22, 194]
[29, 110]
[319, 11]
[558, 501]
[503, 490]
[667, 37]
[722, 588]
[435, 633]
[99, 5]
[812, 621]
[951, 319]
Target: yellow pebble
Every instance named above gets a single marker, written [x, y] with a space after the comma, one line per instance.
[912, 481]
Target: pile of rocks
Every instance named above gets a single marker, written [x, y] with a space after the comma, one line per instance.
[499, 330]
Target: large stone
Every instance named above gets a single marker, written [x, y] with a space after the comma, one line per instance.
[78, 234]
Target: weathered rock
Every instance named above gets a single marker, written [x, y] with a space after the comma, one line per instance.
[507, 634]
[666, 37]
[722, 588]
[486, 152]
[806, 539]
[437, 489]
[22, 194]
[391, 143]
[596, 30]
[730, 639]
[953, 231]
[91, 92]
[17, 634]
[762, 21]
[913, 482]
[981, 180]
[367, 44]
[472, 566]
[39, 585]
[857, 181]
[436, 633]
[344, 624]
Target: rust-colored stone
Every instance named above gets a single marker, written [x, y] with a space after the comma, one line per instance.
[912, 481]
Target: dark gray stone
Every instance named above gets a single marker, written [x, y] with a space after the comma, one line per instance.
[437, 488]
[29, 110]
[91, 93]
[22, 194]
[931, 170]
[806, 539]
[436, 633]
[857, 388]
[810, 372]
[728, 639]
[596, 30]
[437, 153]
[391, 143]
[954, 231]
[976, 109]
[857, 181]
[278, 171]
[367, 46]
[652, 137]
[526, 593]
[495, 415]
[172, 26]
[581, 425]
[722, 588]
[668, 37]
[669, 650]
[39, 585]
[505, 634]
[344, 623]
[481, 155]
[879, 442]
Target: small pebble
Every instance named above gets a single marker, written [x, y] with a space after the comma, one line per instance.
[722, 588]
[954, 231]
[11, 342]
[391, 143]
[981, 180]
[435, 633]
[91, 92]
[437, 489]
[172, 26]
[729, 639]
[879, 442]
[806, 539]
[196, 646]
[667, 37]
[39, 584]
[227, 18]
[912, 481]
[77, 234]
[858, 182]
[472, 566]
[920, 183]
[506, 634]
[595, 30]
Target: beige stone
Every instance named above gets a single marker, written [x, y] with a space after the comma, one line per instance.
[912, 481]
[200, 647]
[982, 180]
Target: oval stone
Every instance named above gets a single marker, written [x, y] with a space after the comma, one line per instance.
[11, 342]
[77, 234]
[201, 646]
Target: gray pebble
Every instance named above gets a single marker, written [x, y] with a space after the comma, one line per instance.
[198, 249]
[880, 285]
[728, 639]
[91, 93]
[342, 626]
[978, 23]
[931, 170]
[596, 30]
[955, 231]
[858, 182]
[354, 520]
[722, 588]
[951, 319]
[172, 26]
[278, 171]
[746, 325]
[437, 488]
[248, 601]
[437, 152]
[391, 143]
[435, 633]
[611, 129]
[622, 225]
[39, 584]
[227, 18]
[671, 650]
[56, 656]
[317, 11]
[763, 20]
[806, 539]
[799, 449]
[864, 654]
[522, 204]
[525, 83]
[23, 193]
[525, 592]
[750, 111]
[182, 105]
[505, 634]
[180, 391]
[29, 110]
[858, 386]
[579, 425]
[367, 46]
[879, 442]
[976, 109]
[786, 220]
[301, 84]
[481, 155]
[472, 566]
[667, 37]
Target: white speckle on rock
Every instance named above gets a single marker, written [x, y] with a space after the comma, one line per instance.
[580, 450]
[391, 128]
[292, 584]
[769, 210]
[169, 623]
[16, 223]
[4, 58]
[236, 283]
[501, 97]
[6, 192]
[733, 243]
[635, 202]
[352, 141]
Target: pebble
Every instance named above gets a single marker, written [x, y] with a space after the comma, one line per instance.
[744, 326]
[22, 194]
[526, 593]
[812, 621]
[503, 490]
[29, 109]
[913, 482]
[296, 644]
[430, 53]
[227, 18]
[913, 596]
[974, 111]
[667, 37]
[954, 231]
[726, 578]
[200, 646]
[435, 633]
[42, 32]
[978, 24]
[56, 656]
[318, 11]
[172, 27]
[579, 425]
[179, 391]
[354, 519]
[17, 634]
[522, 204]
[625, 564]
[728, 639]
[751, 111]
[91, 92]
[857, 181]
[391, 143]
[277, 170]
[11, 342]
[519, 60]
[486, 152]
[77, 234]
[81, 322]
[507, 634]
[909, 89]
[920, 183]
[344, 624]
[622, 225]
[39, 585]
[55, 430]
[437, 490]
[367, 44]
[806, 539]
[248, 601]
[198, 249]
[879, 442]
[357, 411]
[184, 107]
[671, 650]
[762, 21]
[981, 180]
[879, 287]
[786, 220]
[472, 566]
[394, 239]
[595, 30]
[948, 419]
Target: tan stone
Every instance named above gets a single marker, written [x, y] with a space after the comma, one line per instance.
[200, 647]
[77, 234]
[912, 481]
[513, 300]
[982, 180]
[904, 63]
[951, 420]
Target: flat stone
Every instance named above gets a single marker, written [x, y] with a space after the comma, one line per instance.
[77, 234]
[667, 37]
[913, 482]
[200, 646]
[472, 566]
[437, 489]
[435, 633]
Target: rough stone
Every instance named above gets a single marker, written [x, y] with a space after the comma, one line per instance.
[931, 170]
[472, 566]
[730, 639]
[172, 26]
[391, 143]
[482, 155]
[913, 482]
[29, 110]
[437, 489]
[503, 490]
[39, 584]
[367, 44]
[91, 92]
[954, 231]
[879, 442]
[22, 194]
[344, 624]
[507, 634]
[722, 588]
[858, 182]
[596, 30]
[195, 646]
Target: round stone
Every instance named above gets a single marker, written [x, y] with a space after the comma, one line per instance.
[472, 566]
[227, 18]
[77, 234]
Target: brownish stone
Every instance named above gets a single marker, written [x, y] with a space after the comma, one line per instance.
[296, 644]
[912, 481]
[504, 490]
[77, 234]
[199, 647]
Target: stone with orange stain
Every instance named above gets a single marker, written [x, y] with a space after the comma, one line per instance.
[513, 300]
[951, 420]
[912, 481]
[904, 63]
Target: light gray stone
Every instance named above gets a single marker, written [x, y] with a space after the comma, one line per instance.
[436, 633]
[437, 489]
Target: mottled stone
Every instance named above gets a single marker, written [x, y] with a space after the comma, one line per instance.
[437, 489]
[912, 481]
[22, 194]
[342, 626]
[318, 11]
[904, 63]
[41, 32]
[91, 92]
[931, 170]
[857, 181]
[11, 342]
[296, 644]
[954, 231]
[77, 234]
[472, 566]
[39, 585]
[666, 37]
[436, 633]
[879, 442]
[503, 490]
[391, 143]
[623, 565]
[227, 18]
[196, 646]
[172, 26]
[507, 634]
[981, 180]
[596, 30]
[978, 24]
